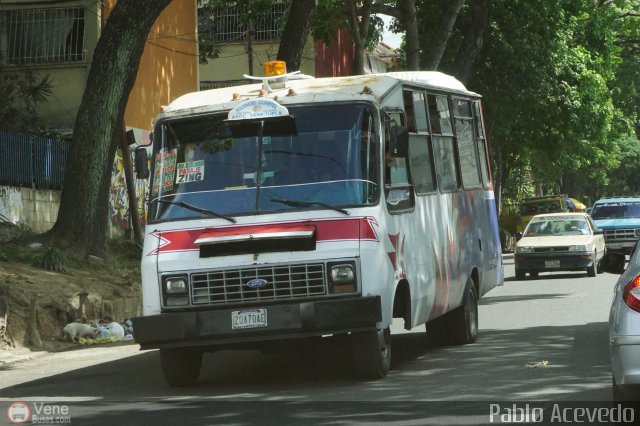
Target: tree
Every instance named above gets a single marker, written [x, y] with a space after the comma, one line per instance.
[81, 226]
[404, 11]
[300, 17]
[356, 17]
[547, 95]
[474, 28]
[438, 40]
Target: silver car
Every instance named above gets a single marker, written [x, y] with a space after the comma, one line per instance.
[624, 325]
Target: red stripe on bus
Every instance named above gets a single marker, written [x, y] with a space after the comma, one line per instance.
[326, 230]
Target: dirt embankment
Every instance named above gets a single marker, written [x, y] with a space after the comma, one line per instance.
[35, 304]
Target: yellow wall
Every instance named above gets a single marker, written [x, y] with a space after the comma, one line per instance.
[169, 65]
[233, 61]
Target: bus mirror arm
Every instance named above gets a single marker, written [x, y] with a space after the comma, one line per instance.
[399, 141]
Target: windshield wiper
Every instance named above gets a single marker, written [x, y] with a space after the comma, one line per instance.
[301, 203]
[197, 209]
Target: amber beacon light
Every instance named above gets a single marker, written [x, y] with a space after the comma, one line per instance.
[275, 68]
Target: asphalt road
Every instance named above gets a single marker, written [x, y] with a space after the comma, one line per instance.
[540, 340]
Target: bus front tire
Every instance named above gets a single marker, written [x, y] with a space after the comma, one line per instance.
[372, 353]
[180, 366]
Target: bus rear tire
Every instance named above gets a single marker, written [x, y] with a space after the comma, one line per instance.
[180, 366]
[464, 320]
[372, 353]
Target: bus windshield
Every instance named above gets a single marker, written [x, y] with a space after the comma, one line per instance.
[331, 161]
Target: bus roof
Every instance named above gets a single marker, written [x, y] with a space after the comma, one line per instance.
[315, 90]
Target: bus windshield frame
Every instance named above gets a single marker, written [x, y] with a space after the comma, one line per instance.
[331, 159]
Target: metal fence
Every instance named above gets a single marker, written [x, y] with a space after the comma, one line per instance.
[31, 161]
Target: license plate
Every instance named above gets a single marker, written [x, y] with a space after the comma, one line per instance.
[253, 318]
[551, 263]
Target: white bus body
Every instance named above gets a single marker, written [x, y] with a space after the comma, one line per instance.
[327, 207]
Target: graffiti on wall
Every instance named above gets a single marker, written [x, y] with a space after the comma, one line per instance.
[119, 198]
[11, 208]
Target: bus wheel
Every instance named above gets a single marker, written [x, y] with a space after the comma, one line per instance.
[464, 320]
[180, 366]
[372, 353]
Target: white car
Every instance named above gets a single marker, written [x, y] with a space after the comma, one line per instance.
[559, 242]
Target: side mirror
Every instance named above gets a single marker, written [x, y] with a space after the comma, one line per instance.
[613, 263]
[399, 141]
[142, 163]
[518, 235]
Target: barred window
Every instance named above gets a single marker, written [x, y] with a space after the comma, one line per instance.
[42, 36]
[225, 24]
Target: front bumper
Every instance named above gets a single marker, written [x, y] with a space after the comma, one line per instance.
[284, 321]
[539, 262]
[625, 359]
[620, 246]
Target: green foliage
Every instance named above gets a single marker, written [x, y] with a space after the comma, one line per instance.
[549, 75]
[22, 91]
[53, 259]
[332, 15]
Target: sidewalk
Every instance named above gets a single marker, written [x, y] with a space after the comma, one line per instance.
[8, 357]
[22, 365]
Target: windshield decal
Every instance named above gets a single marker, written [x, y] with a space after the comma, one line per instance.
[164, 176]
[257, 108]
[618, 204]
[556, 218]
[190, 171]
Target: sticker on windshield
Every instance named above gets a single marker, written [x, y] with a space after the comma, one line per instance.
[165, 172]
[618, 204]
[190, 171]
[554, 218]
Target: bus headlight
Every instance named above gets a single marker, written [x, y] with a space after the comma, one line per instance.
[175, 285]
[342, 278]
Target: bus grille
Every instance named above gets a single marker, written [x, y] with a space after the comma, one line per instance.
[284, 282]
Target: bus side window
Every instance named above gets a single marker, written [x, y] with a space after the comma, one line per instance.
[480, 143]
[398, 190]
[467, 150]
[421, 164]
[407, 96]
[444, 152]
